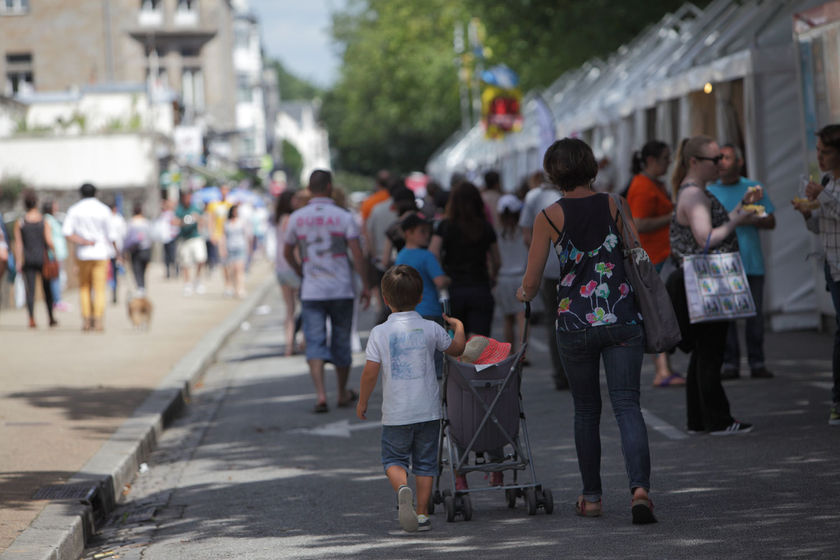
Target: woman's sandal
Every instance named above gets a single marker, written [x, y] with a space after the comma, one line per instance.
[588, 509]
[642, 509]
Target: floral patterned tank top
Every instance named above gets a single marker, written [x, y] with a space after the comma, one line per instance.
[593, 288]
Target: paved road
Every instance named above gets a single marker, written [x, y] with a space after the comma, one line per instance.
[249, 472]
[65, 393]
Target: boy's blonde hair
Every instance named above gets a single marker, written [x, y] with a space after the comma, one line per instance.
[402, 287]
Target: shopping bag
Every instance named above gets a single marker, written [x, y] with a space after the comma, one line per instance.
[662, 331]
[716, 288]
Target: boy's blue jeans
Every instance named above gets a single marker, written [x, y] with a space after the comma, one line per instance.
[414, 447]
[622, 349]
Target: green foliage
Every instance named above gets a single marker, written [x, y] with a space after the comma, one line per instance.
[10, 188]
[290, 87]
[292, 161]
[353, 182]
[397, 97]
[542, 39]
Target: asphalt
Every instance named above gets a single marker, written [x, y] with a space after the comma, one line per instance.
[79, 412]
[248, 471]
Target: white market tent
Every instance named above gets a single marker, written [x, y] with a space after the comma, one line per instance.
[654, 88]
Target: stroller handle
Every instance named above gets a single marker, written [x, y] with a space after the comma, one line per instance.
[527, 321]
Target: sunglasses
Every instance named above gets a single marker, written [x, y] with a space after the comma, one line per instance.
[714, 160]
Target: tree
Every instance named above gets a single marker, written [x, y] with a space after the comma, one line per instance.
[291, 87]
[397, 99]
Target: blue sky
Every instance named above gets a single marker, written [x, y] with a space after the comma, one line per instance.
[297, 33]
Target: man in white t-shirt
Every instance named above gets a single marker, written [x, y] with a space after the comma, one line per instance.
[89, 225]
[323, 233]
[543, 196]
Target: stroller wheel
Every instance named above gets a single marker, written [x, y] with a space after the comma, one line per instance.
[548, 501]
[531, 500]
[510, 496]
[466, 506]
[449, 506]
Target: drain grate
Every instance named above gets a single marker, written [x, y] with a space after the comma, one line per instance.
[66, 492]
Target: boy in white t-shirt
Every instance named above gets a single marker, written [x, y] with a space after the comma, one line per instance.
[403, 347]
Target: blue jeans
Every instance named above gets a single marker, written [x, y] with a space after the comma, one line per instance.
[754, 332]
[315, 313]
[834, 289]
[622, 349]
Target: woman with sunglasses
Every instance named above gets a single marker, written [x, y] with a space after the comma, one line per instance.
[700, 224]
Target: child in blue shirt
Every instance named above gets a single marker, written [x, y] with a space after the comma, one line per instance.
[418, 231]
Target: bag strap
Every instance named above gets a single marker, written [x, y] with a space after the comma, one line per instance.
[626, 232]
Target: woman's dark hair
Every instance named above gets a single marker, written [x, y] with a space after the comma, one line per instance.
[30, 199]
[570, 163]
[233, 211]
[284, 204]
[404, 200]
[46, 207]
[492, 181]
[830, 136]
[653, 149]
[137, 208]
[465, 210]
[689, 148]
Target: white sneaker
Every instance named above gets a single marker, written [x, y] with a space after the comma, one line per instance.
[200, 289]
[424, 523]
[188, 290]
[408, 517]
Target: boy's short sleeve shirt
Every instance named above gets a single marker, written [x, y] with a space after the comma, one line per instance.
[404, 346]
[321, 230]
[424, 262]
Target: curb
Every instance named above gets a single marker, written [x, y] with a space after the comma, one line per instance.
[61, 530]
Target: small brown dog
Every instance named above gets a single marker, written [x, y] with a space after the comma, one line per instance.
[140, 312]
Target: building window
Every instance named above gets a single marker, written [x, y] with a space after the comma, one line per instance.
[14, 6]
[192, 90]
[243, 88]
[19, 74]
[186, 13]
[151, 12]
[241, 37]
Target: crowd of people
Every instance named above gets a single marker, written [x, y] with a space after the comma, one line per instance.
[439, 265]
[195, 238]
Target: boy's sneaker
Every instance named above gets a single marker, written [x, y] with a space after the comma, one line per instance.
[834, 415]
[734, 428]
[423, 522]
[408, 517]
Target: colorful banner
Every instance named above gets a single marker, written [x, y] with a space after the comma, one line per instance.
[501, 101]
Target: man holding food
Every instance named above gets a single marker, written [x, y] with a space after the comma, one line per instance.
[730, 189]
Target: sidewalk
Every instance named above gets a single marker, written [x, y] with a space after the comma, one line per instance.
[65, 392]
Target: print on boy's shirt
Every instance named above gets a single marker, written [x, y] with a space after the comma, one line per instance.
[408, 354]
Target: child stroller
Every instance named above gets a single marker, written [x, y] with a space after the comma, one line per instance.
[483, 411]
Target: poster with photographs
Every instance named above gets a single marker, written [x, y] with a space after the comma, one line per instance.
[716, 288]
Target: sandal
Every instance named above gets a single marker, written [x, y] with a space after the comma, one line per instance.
[320, 408]
[673, 380]
[588, 509]
[642, 509]
[353, 395]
